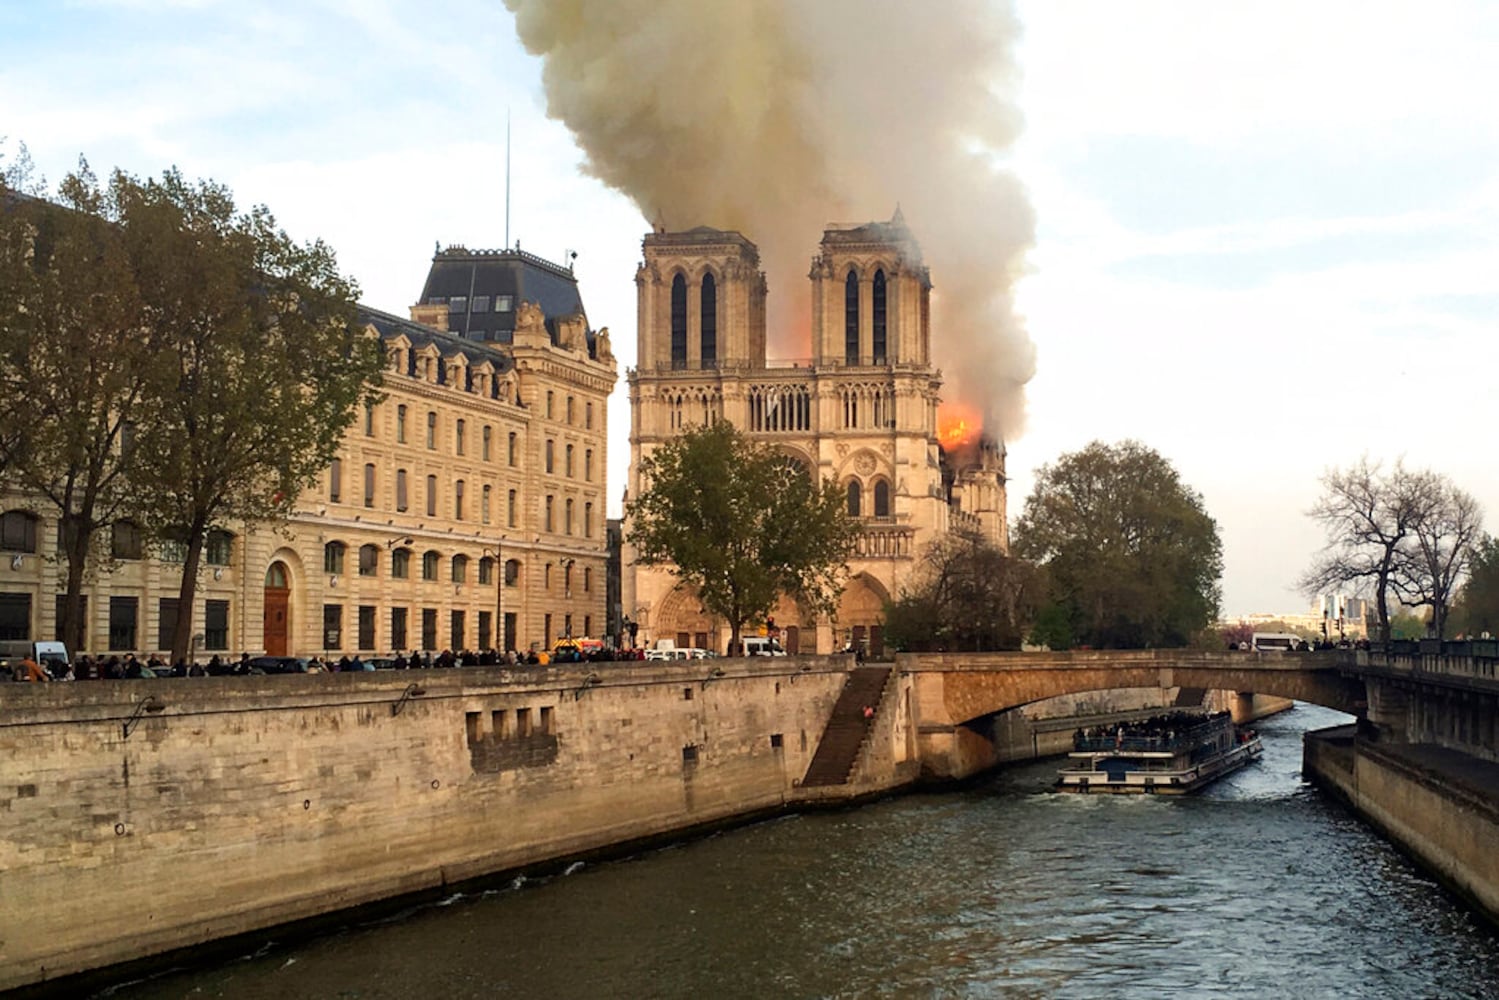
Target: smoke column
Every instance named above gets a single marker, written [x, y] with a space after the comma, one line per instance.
[775, 117]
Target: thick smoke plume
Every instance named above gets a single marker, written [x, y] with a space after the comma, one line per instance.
[774, 117]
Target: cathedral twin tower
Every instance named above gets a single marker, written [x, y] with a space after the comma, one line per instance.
[862, 411]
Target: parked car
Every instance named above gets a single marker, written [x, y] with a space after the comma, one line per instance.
[278, 664]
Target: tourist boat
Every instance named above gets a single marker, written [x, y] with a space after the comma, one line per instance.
[1167, 755]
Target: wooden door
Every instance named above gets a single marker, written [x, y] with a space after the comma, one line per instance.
[277, 603]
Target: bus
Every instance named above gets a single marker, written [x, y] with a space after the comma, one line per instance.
[1277, 642]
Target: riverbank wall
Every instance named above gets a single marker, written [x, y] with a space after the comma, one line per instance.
[147, 816]
[1437, 805]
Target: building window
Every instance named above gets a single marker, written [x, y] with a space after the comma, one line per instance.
[588, 624]
[398, 629]
[481, 304]
[567, 517]
[166, 622]
[486, 626]
[369, 560]
[879, 317]
[567, 462]
[458, 500]
[510, 505]
[551, 399]
[369, 484]
[458, 436]
[429, 565]
[511, 449]
[588, 416]
[550, 451]
[429, 628]
[431, 430]
[173, 548]
[18, 531]
[587, 584]
[216, 625]
[853, 498]
[588, 465]
[851, 319]
[125, 540]
[484, 505]
[456, 632]
[548, 517]
[369, 420]
[124, 612]
[679, 322]
[460, 569]
[512, 572]
[502, 303]
[709, 321]
[335, 480]
[588, 520]
[881, 498]
[401, 424]
[220, 547]
[431, 496]
[569, 411]
[400, 564]
[401, 499]
[333, 626]
[15, 616]
[366, 626]
[333, 557]
[486, 571]
[485, 437]
[546, 579]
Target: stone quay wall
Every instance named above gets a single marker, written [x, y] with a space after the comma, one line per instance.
[140, 817]
[1439, 806]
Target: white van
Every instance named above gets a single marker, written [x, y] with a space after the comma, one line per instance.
[762, 645]
[1275, 642]
[51, 655]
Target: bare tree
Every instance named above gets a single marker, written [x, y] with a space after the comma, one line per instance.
[1436, 556]
[1370, 519]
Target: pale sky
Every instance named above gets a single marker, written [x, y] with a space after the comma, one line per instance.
[1268, 234]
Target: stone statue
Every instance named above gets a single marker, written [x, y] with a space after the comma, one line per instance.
[601, 348]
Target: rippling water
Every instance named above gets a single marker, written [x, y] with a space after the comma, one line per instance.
[1257, 887]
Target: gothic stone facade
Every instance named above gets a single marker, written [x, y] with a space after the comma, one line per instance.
[861, 411]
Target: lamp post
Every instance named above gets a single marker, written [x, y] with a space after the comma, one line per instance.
[498, 553]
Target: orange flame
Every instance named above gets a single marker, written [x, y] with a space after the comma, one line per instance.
[957, 425]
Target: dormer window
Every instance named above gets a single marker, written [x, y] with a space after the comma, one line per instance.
[458, 304]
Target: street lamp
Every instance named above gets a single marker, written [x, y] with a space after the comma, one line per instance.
[498, 554]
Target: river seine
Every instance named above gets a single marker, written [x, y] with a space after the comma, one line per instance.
[1259, 886]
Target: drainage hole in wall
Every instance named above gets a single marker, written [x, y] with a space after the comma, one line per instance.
[119, 829]
[435, 783]
[306, 803]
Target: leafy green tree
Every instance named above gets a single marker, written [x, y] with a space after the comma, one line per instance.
[970, 596]
[736, 523]
[76, 361]
[1477, 607]
[1132, 556]
[265, 363]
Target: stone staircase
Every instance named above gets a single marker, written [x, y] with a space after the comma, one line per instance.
[847, 729]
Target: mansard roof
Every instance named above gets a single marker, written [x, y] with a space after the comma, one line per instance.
[464, 279]
[446, 344]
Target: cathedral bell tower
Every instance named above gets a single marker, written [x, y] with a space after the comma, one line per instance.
[871, 297]
[701, 300]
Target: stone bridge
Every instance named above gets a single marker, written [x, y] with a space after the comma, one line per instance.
[954, 695]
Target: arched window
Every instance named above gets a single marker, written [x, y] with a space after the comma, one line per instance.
[460, 569]
[486, 570]
[512, 572]
[881, 498]
[333, 557]
[400, 564]
[18, 531]
[679, 322]
[851, 319]
[275, 576]
[879, 317]
[853, 498]
[709, 321]
[429, 565]
[369, 560]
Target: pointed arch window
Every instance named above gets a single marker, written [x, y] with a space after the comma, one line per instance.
[879, 317]
[881, 498]
[679, 322]
[851, 319]
[853, 498]
[709, 322]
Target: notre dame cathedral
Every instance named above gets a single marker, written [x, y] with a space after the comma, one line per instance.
[862, 410]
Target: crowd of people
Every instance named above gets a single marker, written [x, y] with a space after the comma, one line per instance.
[1156, 732]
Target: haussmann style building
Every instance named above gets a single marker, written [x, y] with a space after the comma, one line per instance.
[861, 411]
[464, 511]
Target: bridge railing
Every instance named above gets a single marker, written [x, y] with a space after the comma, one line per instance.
[1473, 658]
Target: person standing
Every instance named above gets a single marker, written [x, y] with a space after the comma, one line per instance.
[33, 670]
